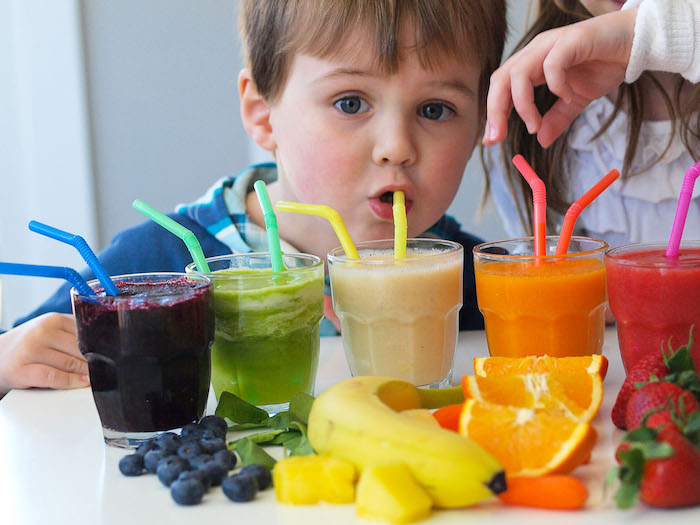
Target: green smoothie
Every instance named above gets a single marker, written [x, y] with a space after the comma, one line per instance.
[267, 332]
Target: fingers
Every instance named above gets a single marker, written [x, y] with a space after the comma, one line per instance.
[513, 85]
[498, 107]
[46, 376]
[558, 118]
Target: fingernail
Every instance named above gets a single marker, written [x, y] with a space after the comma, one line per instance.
[85, 379]
[489, 133]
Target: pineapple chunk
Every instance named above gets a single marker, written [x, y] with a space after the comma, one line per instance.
[391, 493]
[305, 480]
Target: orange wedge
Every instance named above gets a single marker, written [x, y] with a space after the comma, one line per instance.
[498, 366]
[527, 442]
[576, 396]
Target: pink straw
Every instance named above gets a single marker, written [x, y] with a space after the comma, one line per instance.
[577, 207]
[539, 199]
[674, 242]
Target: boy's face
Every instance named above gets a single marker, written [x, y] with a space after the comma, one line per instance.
[347, 136]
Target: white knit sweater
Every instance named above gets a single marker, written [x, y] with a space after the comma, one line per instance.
[666, 36]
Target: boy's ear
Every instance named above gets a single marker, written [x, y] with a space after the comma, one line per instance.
[255, 113]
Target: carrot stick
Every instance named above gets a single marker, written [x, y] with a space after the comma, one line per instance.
[546, 492]
[448, 416]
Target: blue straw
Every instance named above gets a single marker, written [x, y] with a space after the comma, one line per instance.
[87, 254]
[59, 272]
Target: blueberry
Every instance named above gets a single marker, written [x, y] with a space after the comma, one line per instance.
[260, 473]
[226, 458]
[168, 441]
[199, 475]
[152, 458]
[197, 461]
[192, 431]
[239, 488]
[189, 450]
[207, 434]
[170, 468]
[216, 424]
[215, 471]
[131, 465]
[145, 447]
[187, 492]
[211, 445]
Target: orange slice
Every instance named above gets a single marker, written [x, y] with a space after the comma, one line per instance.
[527, 442]
[498, 366]
[576, 396]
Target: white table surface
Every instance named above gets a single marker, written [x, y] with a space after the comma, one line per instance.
[56, 469]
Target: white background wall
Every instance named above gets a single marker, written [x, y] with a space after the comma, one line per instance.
[105, 101]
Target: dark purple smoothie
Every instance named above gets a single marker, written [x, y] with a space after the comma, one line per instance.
[148, 351]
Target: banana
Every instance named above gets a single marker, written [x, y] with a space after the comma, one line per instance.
[359, 420]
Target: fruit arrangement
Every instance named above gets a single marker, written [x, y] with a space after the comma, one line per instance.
[518, 427]
[659, 456]
[515, 430]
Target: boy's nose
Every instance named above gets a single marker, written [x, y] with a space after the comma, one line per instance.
[394, 145]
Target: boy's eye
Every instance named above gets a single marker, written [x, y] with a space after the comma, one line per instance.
[351, 105]
[435, 111]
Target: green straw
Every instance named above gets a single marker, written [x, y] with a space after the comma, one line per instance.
[177, 229]
[273, 236]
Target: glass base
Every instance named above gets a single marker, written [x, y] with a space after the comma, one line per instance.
[130, 440]
[274, 409]
[445, 383]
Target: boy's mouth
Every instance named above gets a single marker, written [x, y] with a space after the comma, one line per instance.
[382, 205]
[387, 196]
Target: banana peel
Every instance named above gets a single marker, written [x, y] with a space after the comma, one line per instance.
[360, 420]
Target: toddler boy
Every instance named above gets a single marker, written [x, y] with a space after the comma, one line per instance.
[354, 99]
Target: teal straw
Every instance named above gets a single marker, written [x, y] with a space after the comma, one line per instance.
[273, 236]
[177, 229]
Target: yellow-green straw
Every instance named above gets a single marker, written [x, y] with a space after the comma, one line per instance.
[400, 225]
[329, 213]
[177, 229]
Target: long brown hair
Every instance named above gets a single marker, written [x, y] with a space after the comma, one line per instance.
[549, 162]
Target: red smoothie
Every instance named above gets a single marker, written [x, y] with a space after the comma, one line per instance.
[654, 299]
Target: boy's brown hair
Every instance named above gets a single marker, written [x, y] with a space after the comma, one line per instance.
[272, 31]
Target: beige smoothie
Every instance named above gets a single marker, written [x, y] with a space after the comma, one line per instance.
[400, 318]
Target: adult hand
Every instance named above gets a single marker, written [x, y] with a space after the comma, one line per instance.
[579, 63]
[42, 352]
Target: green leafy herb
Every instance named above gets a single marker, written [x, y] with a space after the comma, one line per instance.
[239, 411]
[300, 406]
[286, 428]
[250, 452]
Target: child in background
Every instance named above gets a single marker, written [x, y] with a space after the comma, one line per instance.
[355, 100]
[648, 129]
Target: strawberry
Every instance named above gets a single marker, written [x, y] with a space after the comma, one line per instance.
[661, 465]
[672, 366]
[646, 368]
[655, 396]
[673, 481]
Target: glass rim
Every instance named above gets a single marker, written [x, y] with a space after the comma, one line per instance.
[191, 268]
[603, 246]
[95, 283]
[334, 254]
[614, 254]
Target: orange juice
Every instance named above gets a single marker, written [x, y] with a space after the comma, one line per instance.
[546, 305]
